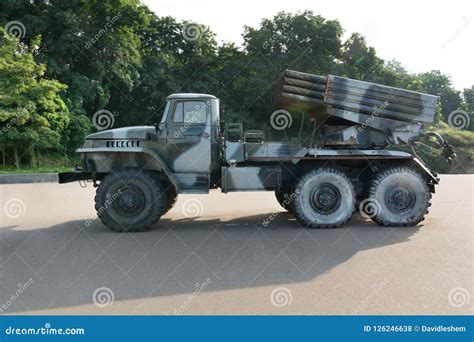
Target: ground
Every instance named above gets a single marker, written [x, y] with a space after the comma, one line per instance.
[242, 255]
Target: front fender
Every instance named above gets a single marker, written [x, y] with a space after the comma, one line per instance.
[106, 160]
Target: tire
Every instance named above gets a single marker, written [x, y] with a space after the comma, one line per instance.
[399, 196]
[286, 201]
[325, 198]
[171, 197]
[130, 200]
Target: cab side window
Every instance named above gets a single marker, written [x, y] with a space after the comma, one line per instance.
[191, 112]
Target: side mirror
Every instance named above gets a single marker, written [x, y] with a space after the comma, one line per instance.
[157, 127]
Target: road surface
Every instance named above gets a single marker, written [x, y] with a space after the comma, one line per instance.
[230, 254]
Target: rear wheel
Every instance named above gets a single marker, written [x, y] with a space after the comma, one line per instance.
[325, 198]
[130, 200]
[398, 196]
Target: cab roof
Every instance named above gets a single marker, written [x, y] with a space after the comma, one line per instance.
[190, 96]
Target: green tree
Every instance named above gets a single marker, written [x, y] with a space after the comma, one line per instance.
[359, 60]
[468, 98]
[176, 57]
[301, 41]
[436, 83]
[468, 95]
[31, 111]
[395, 75]
[91, 45]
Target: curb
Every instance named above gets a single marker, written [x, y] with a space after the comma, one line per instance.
[29, 178]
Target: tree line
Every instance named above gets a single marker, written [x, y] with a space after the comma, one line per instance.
[62, 61]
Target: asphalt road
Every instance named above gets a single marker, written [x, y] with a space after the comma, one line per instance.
[242, 255]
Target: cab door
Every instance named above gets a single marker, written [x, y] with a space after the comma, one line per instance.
[189, 142]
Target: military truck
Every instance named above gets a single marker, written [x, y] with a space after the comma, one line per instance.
[350, 160]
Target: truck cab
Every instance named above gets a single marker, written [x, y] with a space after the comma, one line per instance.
[184, 146]
[188, 140]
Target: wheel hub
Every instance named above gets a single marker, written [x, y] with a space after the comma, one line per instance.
[325, 198]
[400, 198]
[130, 202]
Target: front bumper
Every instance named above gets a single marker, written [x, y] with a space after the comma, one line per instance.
[73, 176]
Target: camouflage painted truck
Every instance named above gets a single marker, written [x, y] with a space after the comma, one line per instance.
[349, 162]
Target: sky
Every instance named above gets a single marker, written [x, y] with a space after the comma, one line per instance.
[422, 35]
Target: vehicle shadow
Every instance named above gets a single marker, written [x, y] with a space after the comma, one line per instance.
[64, 264]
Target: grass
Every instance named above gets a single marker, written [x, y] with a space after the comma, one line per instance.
[463, 144]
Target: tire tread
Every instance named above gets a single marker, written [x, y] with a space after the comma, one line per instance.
[297, 205]
[155, 186]
[381, 176]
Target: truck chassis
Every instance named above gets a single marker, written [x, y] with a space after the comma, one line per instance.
[347, 164]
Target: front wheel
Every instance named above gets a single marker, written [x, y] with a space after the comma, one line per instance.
[130, 200]
[171, 197]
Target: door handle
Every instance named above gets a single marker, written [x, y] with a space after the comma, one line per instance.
[205, 135]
